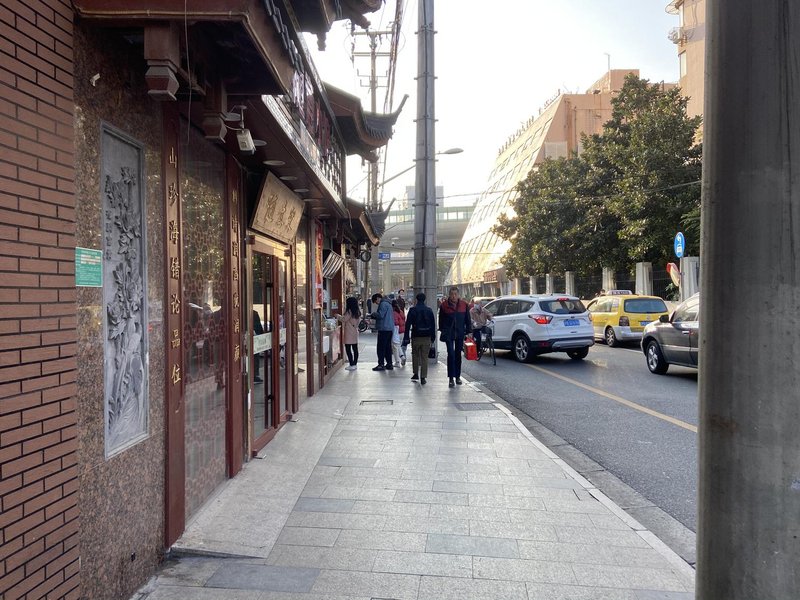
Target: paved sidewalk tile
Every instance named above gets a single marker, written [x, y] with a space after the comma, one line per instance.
[451, 588]
[244, 576]
[428, 498]
[423, 563]
[472, 545]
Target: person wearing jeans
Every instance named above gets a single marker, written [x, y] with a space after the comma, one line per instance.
[421, 330]
[455, 324]
[384, 323]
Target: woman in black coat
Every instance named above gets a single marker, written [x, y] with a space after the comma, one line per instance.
[454, 323]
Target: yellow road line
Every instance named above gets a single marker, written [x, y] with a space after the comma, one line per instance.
[628, 403]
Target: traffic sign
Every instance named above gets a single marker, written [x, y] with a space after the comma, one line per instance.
[680, 245]
[384, 255]
[674, 274]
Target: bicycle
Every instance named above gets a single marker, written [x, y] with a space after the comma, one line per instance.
[487, 343]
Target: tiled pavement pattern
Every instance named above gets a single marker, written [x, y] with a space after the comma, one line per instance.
[426, 497]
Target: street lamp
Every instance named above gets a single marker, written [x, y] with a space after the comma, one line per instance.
[406, 170]
[373, 278]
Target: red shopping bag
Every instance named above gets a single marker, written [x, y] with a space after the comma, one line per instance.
[470, 349]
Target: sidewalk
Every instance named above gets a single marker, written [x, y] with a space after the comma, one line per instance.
[430, 493]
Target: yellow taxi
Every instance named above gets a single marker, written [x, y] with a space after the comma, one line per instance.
[620, 315]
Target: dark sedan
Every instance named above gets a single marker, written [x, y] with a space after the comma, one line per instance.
[673, 340]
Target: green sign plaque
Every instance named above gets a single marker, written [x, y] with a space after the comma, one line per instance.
[88, 267]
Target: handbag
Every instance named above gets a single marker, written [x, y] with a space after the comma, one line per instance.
[432, 352]
[470, 349]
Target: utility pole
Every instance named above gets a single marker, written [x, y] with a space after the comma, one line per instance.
[748, 537]
[425, 192]
[373, 203]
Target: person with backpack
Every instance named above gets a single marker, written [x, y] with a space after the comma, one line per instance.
[421, 330]
[454, 323]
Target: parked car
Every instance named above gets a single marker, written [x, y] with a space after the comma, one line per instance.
[529, 325]
[483, 300]
[621, 316]
[674, 339]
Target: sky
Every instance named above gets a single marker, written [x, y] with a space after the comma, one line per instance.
[496, 63]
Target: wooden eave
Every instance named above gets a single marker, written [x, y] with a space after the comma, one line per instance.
[359, 225]
[263, 39]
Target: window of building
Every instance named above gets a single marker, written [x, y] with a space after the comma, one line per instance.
[682, 60]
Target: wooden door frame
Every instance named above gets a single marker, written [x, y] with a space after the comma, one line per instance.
[276, 251]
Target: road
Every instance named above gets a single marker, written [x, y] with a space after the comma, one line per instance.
[639, 426]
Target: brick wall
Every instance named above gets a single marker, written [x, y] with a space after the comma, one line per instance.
[38, 430]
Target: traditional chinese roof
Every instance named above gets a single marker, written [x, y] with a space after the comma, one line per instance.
[317, 16]
[360, 225]
[363, 131]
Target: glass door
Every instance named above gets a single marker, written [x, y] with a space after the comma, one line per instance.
[263, 332]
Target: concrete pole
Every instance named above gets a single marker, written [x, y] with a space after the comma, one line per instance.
[690, 276]
[644, 278]
[549, 284]
[425, 191]
[609, 279]
[570, 289]
[532, 281]
[748, 537]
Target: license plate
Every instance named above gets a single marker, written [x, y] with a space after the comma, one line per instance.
[643, 323]
[571, 322]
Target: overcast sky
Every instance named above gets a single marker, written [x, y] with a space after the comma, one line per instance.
[496, 64]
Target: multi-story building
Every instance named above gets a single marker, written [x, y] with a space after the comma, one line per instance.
[555, 132]
[173, 227]
[690, 39]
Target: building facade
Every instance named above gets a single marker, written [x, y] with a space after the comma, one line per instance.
[174, 234]
[689, 38]
[554, 133]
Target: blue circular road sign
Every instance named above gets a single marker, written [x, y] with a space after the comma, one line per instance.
[680, 245]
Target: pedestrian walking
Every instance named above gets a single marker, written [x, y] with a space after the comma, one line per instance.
[398, 352]
[480, 317]
[384, 323]
[421, 330]
[454, 323]
[350, 320]
[401, 299]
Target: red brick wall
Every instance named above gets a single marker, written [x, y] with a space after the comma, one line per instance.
[38, 430]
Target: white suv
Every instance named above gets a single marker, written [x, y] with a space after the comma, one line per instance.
[531, 325]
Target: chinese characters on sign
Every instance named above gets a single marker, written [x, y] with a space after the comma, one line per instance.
[278, 211]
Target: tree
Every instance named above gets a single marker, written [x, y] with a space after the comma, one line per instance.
[621, 201]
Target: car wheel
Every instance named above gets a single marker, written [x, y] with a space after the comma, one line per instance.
[655, 359]
[611, 338]
[522, 348]
[578, 354]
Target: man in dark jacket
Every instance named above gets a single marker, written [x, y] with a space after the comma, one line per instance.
[454, 323]
[384, 323]
[421, 329]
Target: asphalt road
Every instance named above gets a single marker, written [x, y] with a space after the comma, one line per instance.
[637, 425]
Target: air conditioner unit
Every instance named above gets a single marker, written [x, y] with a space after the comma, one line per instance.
[677, 35]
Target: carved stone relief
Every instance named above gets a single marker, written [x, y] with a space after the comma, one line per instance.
[124, 294]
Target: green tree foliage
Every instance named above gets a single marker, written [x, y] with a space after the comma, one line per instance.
[621, 201]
